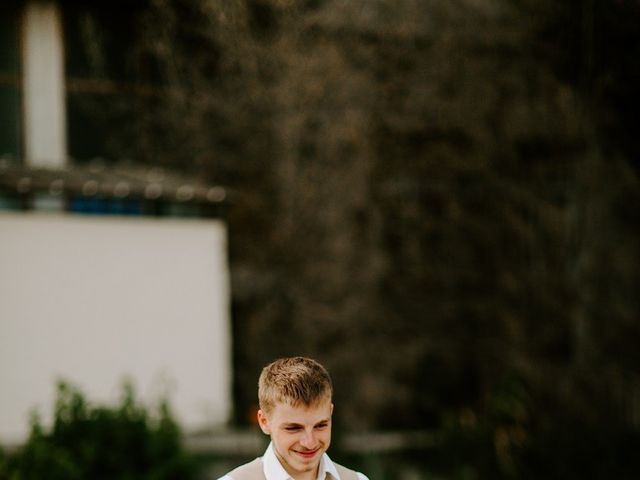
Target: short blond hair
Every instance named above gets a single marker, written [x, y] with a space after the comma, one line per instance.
[293, 380]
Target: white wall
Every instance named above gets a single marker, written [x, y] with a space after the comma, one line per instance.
[95, 299]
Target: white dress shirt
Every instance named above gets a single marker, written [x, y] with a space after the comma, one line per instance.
[273, 470]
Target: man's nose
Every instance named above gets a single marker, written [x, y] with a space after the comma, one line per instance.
[308, 440]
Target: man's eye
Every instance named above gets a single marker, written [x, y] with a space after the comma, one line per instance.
[321, 426]
[292, 429]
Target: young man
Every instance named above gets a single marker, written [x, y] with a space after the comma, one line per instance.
[295, 411]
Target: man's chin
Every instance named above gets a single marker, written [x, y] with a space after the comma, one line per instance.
[307, 467]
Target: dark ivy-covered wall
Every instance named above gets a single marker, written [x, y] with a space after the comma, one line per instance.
[435, 199]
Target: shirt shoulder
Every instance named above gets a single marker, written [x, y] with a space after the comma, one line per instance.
[226, 477]
[360, 476]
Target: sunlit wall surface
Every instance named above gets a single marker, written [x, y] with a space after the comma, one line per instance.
[99, 300]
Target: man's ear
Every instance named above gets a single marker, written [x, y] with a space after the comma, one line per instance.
[263, 421]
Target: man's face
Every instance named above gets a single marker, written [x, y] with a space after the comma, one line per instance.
[300, 434]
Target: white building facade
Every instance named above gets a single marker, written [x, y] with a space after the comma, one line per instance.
[101, 297]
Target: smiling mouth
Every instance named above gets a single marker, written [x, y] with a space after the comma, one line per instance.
[307, 454]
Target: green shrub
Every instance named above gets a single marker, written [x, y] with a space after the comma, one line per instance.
[124, 442]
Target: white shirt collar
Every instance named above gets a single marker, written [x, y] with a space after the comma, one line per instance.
[273, 469]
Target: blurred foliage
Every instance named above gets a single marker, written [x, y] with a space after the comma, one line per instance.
[508, 442]
[505, 443]
[99, 442]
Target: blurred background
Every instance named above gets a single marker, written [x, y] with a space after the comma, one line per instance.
[434, 198]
